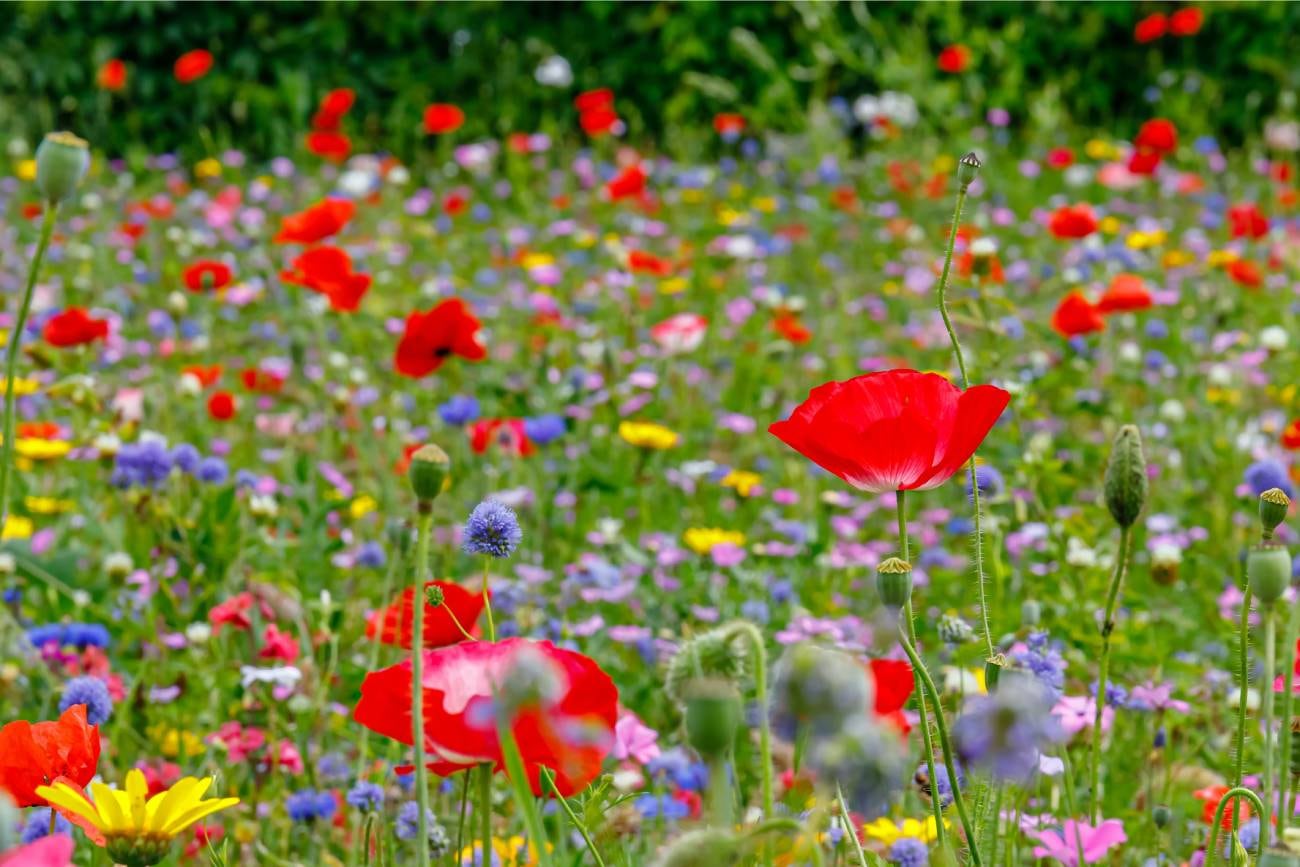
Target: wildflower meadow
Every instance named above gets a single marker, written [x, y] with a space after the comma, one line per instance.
[858, 440]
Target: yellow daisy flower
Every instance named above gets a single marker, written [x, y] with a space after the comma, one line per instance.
[137, 830]
[48, 505]
[742, 481]
[702, 540]
[647, 435]
[363, 505]
[38, 449]
[17, 527]
[888, 832]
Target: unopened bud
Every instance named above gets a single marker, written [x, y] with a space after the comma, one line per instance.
[428, 472]
[968, 169]
[62, 160]
[433, 595]
[713, 716]
[1126, 477]
[894, 582]
[1273, 507]
[1268, 571]
[993, 667]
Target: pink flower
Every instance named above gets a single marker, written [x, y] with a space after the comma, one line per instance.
[53, 851]
[1077, 712]
[1151, 696]
[635, 740]
[289, 757]
[240, 742]
[1096, 842]
[278, 645]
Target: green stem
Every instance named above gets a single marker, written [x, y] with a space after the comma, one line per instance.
[523, 795]
[573, 817]
[425, 508]
[945, 746]
[1107, 627]
[487, 602]
[485, 812]
[852, 831]
[721, 804]
[758, 656]
[1242, 699]
[1266, 702]
[1284, 804]
[464, 802]
[1212, 857]
[1069, 801]
[13, 350]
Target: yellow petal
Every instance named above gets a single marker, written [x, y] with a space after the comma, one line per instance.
[206, 808]
[110, 809]
[179, 798]
[137, 790]
[63, 795]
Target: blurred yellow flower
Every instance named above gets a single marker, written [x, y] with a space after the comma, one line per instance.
[536, 260]
[943, 164]
[1220, 258]
[208, 168]
[363, 505]
[702, 540]
[766, 204]
[647, 435]
[1097, 149]
[48, 505]
[1177, 259]
[27, 170]
[1145, 240]
[17, 527]
[692, 197]
[23, 385]
[672, 286]
[172, 742]
[38, 449]
[888, 832]
[1110, 225]
[742, 481]
[507, 851]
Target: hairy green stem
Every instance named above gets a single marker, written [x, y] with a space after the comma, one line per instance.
[523, 795]
[1285, 807]
[1212, 857]
[12, 351]
[1069, 802]
[1103, 671]
[758, 654]
[573, 817]
[1266, 702]
[487, 602]
[425, 508]
[852, 832]
[1239, 760]
[927, 737]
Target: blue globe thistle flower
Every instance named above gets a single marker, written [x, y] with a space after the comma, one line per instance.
[141, 464]
[308, 805]
[909, 852]
[186, 457]
[365, 796]
[37, 825]
[1262, 475]
[545, 429]
[93, 693]
[1005, 731]
[460, 410]
[492, 530]
[212, 470]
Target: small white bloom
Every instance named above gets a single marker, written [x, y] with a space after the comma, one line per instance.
[198, 633]
[554, 71]
[1274, 338]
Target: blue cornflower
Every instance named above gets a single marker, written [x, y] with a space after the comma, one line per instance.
[308, 804]
[372, 555]
[492, 530]
[545, 429]
[37, 825]
[332, 767]
[79, 635]
[93, 693]
[755, 610]
[460, 410]
[661, 806]
[1005, 730]
[186, 457]
[212, 470]
[909, 852]
[141, 464]
[1249, 837]
[366, 796]
[990, 481]
[1044, 661]
[1116, 695]
[1262, 475]
[408, 827]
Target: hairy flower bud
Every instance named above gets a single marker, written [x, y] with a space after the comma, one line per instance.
[62, 160]
[1268, 569]
[1273, 507]
[1126, 477]
[706, 848]
[713, 716]
[894, 582]
[428, 472]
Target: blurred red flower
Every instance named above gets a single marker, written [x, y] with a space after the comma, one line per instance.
[1151, 28]
[38, 754]
[221, 406]
[1072, 221]
[74, 327]
[598, 121]
[260, 381]
[441, 118]
[568, 729]
[1245, 273]
[1126, 292]
[432, 337]
[395, 624]
[338, 102]
[894, 683]
[1291, 435]
[627, 184]
[1060, 158]
[1143, 162]
[111, 75]
[1246, 220]
[325, 218]
[278, 645]
[790, 327]
[641, 262]
[1211, 795]
[192, 65]
[207, 274]
[1076, 315]
[1157, 135]
[594, 100]
[333, 146]
[205, 376]
[1186, 22]
[728, 124]
[328, 271]
[892, 430]
[507, 434]
[954, 59]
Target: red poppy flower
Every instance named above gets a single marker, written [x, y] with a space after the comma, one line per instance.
[893, 430]
[395, 625]
[1245, 273]
[1060, 158]
[328, 271]
[111, 75]
[441, 118]
[641, 262]
[261, 381]
[192, 65]
[74, 327]
[1157, 135]
[41, 430]
[728, 124]
[207, 274]
[325, 218]
[205, 376]
[1076, 315]
[431, 337]
[337, 102]
[894, 684]
[37, 754]
[1247, 221]
[1126, 292]
[627, 184]
[1144, 162]
[1151, 28]
[333, 146]
[1186, 22]
[221, 406]
[954, 59]
[1291, 435]
[568, 730]
[594, 100]
[791, 328]
[1072, 221]
[508, 434]
[1211, 795]
[598, 121]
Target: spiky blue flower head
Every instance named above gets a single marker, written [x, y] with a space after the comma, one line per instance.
[492, 530]
[93, 693]
[366, 796]
[1262, 475]
[309, 804]
[460, 410]
[909, 852]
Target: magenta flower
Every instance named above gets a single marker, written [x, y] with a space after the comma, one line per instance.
[1078, 712]
[1152, 696]
[634, 740]
[1064, 846]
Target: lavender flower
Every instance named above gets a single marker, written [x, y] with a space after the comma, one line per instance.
[460, 410]
[308, 805]
[1044, 661]
[492, 530]
[817, 689]
[909, 852]
[1005, 731]
[38, 825]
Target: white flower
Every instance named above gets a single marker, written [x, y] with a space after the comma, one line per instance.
[7, 563]
[1166, 554]
[554, 71]
[982, 247]
[263, 505]
[1172, 411]
[280, 675]
[107, 444]
[198, 633]
[1273, 337]
[1079, 554]
[118, 563]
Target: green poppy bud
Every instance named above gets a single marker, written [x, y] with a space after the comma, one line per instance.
[1126, 477]
[428, 472]
[894, 582]
[1268, 569]
[713, 716]
[968, 168]
[1277, 858]
[1273, 507]
[62, 160]
[993, 671]
[1161, 815]
[706, 848]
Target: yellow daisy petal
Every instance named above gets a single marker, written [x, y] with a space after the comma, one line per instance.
[63, 795]
[206, 808]
[182, 796]
[110, 809]
[137, 791]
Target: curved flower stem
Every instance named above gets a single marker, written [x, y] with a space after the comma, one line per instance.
[1266, 702]
[12, 351]
[487, 602]
[1212, 857]
[1285, 807]
[927, 737]
[573, 817]
[758, 653]
[853, 832]
[425, 510]
[1244, 676]
[1103, 671]
[945, 745]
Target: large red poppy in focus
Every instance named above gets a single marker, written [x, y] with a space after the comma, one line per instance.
[328, 271]
[395, 625]
[569, 732]
[325, 218]
[37, 754]
[74, 327]
[432, 337]
[893, 430]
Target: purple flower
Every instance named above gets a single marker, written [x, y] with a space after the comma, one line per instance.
[492, 530]
[1005, 731]
[93, 693]
[460, 410]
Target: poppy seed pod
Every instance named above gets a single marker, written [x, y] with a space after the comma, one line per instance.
[1161, 815]
[1273, 507]
[993, 671]
[62, 160]
[894, 582]
[428, 472]
[705, 848]
[434, 595]
[713, 716]
[1268, 569]
[1126, 477]
[1278, 858]
[968, 169]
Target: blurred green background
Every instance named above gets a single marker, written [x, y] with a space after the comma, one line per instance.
[1055, 67]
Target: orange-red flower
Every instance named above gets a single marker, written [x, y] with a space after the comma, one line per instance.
[627, 184]
[1072, 221]
[1076, 315]
[1245, 273]
[507, 434]
[38, 754]
[728, 124]
[1247, 221]
[333, 106]
[325, 218]
[894, 684]
[221, 406]
[593, 100]
[111, 75]
[1157, 134]
[598, 121]
[1291, 435]
[333, 146]
[954, 59]
[788, 326]
[204, 376]
[74, 327]
[395, 625]
[1211, 795]
[432, 337]
[328, 271]
[1186, 22]
[192, 65]
[1126, 292]
[442, 118]
[1151, 28]
[207, 274]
